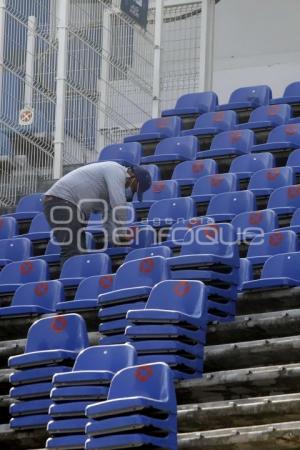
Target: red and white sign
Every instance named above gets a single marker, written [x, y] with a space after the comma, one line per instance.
[26, 116]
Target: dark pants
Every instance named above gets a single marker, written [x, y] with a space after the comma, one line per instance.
[67, 223]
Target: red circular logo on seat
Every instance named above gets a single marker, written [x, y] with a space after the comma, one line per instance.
[41, 289]
[276, 239]
[193, 223]
[272, 174]
[59, 324]
[182, 288]
[273, 110]
[293, 192]
[211, 231]
[158, 186]
[216, 180]
[106, 281]
[26, 267]
[235, 136]
[197, 166]
[291, 129]
[255, 218]
[218, 116]
[163, 122]
[146, 265]
[143, 373]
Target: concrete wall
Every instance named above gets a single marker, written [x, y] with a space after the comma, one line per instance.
[256, 42]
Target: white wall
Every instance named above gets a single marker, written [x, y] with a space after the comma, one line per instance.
[256, 42]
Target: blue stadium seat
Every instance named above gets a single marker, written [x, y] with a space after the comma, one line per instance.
[78, 267]
[267, 117]
[245, 165]
[263, 182]
[8, 227]
[247, 98]
[148, 387]
[254, 223]
[130, 292]
[294, 160]
[28, 207]
[87, 293]
[212, 123]
[245, 273]
[153, 170]
[209, 253]
[223, 207]
[157, 129]
[291, 96]
[193, 104]
[140, 253]
[88, 383]
[229, 144]
[273, 243]
[39, 230]
[205, 189]
[159, 190]
[34, 298]
[279, 271]
[14, 250]
[125, 154]
[188, 172]
[177, 232]
[295, 223]
[173, 149]
[52, 346]
[175, 311]
[168, 211]
[285, 200]
[282, 140]
[21, 272]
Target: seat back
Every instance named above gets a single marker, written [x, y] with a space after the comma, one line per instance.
[286, 133]
[39, 223]
[203, 101]
[41, 293]
[241, 140]
[282, 265]
[173, 209]
[213, 239]
[271, 178]
[141, 236]
[252, 163]
[232, 203]
[86, 265]
[273, 243]
[245, 272]
[161, 189]
[143, 272]
[222, 120]
[186, 146]
[153, 170]
[154, 381]
[66, 332]
[168, 126]
[194, 169]
[140, 253]
[179, 229]
[285, 196]
[257, 222]
[277, 114]
[296, 218]
[8, 227]
[129, 152]
[32, 202]
[91, 287]
[294, 158]
[22, 272]
[186, 296]
[110, 358]
[292, 90]
[214, 184]
[52, 248]
[15, 249]
[257, 95]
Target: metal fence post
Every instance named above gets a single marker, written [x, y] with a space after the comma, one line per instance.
[62, 38]
[207, 45]
[157, 58]
[30, 51]
[2, 37]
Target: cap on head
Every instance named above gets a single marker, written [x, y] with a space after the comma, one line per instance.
[144, 180]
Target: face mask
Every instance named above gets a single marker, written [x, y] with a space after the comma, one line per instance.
[129, 194]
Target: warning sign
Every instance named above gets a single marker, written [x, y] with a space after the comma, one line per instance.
[26, 116]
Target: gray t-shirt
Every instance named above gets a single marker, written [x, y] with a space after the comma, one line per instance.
[104, 180]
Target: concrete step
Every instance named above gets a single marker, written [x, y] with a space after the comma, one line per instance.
[251, 302]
